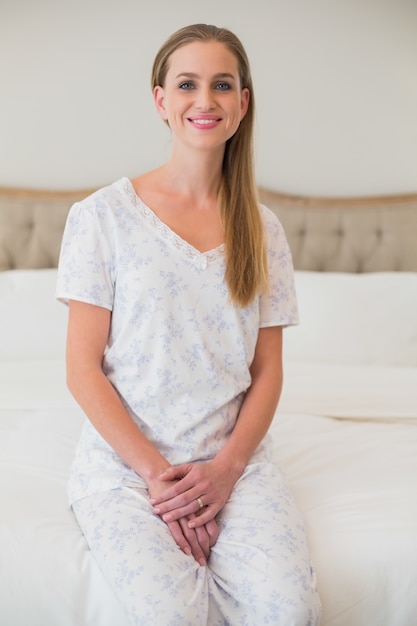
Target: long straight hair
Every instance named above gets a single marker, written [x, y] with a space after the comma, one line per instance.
[244, 238]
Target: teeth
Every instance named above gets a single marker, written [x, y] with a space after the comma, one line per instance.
[203, 121]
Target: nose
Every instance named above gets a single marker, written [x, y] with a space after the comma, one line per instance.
[204, 100]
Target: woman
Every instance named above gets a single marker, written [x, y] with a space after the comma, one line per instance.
[179, 285]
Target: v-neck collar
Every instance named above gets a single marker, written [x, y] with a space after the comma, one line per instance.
[181, 244]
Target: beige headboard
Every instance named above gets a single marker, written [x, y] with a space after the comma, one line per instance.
[31, 226]
[349, 234]
[325, 234]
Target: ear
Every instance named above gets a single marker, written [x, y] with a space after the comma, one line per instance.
[159, 99]
[244, 102]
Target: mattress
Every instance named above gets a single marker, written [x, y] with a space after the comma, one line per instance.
[345, 433]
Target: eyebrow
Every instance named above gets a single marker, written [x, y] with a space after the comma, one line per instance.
[217, 76]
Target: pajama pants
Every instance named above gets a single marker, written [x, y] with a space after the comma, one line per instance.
[258, 572]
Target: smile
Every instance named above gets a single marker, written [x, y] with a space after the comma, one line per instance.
[203, 122]
[206, 123]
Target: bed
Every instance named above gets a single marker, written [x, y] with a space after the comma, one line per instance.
[345, 430]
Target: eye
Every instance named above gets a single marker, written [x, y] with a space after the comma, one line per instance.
[186, 85]
[223, 86]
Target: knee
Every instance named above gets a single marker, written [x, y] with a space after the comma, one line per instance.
[299, 606]
[305, 612]
[299, 612]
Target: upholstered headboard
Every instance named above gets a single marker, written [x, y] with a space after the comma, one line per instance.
[349, 234]
[325, 234]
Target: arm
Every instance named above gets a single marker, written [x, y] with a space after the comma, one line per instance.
[261, 400]
[213, 481]
[88, 330]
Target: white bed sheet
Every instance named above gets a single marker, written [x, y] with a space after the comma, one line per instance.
[354, 392]
[47, 576]
[356, 485]
[354, 479]
[347, 436]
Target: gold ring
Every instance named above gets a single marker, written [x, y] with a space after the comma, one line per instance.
[200, 503]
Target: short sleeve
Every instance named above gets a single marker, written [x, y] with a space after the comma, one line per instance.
[86, 264]
[278, 307]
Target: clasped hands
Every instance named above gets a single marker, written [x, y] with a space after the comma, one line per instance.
[177, 498]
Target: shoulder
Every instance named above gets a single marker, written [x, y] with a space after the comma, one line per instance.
[276, 239]
[106, 208]
[107, 196]
[271, 221]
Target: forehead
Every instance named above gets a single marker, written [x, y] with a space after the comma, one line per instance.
[202, 57]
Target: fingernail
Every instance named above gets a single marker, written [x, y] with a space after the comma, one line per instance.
[167, 518]
[202, 562]
[187, 551]
[157, 510]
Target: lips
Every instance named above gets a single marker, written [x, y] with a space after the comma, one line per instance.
[204, 122]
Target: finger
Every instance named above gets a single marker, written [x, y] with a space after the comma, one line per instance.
[175, 491]
[191, 498]
[207, 515]
[195, 506]
[179, 537]
[204, 540]
[191, 536]
[213, 532]
[187, 477]
[174, 472]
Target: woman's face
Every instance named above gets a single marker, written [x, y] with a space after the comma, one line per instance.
[202, 99]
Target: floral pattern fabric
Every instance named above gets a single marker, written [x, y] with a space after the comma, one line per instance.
[179, 351]
[179, 355]
[258, 572]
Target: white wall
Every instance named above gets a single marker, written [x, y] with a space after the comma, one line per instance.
[336, 90]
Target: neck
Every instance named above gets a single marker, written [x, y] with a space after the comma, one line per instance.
[198, 176]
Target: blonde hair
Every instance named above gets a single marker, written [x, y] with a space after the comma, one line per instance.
[244, 237]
